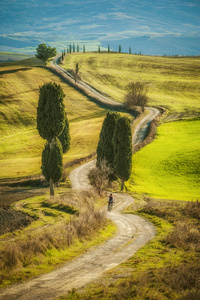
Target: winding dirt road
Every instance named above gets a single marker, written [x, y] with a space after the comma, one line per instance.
[133, 233]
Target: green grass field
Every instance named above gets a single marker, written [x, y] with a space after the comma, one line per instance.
[169, 167]
[173, 82]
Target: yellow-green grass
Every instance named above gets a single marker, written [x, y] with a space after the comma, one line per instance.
[169, 167]
[20, 144]
[172, 82]
[20, 153]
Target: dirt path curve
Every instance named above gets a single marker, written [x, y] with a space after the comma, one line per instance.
[133, 233]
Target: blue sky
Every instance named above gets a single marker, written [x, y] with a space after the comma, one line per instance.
[154, 27]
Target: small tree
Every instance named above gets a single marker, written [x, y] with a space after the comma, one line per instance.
[99, 49]
[77, 48]
[108, 48]
[70, 48]
[51, 120]
[83, 48]
[129, 50]
[123, 149]
[76, 72]
[99, 176]
[44, 52]
[136, 95]
[105, 148]
[120, 48]
[74, 48]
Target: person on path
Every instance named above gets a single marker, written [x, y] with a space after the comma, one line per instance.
[110, 201]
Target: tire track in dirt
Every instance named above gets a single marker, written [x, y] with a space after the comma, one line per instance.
[133, 233]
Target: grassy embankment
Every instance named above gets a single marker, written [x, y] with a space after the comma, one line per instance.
[168, 168]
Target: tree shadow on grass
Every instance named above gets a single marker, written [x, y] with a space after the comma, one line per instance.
[14, 71]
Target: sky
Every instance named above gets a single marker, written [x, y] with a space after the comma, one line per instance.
[152, 27]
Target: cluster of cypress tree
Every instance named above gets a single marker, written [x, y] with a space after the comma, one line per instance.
[53, 126]
[115, 146]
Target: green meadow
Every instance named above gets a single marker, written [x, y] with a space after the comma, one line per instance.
[173, 82]
[169, 167]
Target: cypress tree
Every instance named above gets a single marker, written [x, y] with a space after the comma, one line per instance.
[50, 124]
[108, 48]
[123, 149]
[50, 111]
[129, 50]
[105, 148]
[120, 48]
[77, 47]
[70, 48]
[74, 48]
[83, 48]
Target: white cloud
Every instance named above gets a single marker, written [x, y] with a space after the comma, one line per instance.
[121, 16]
[88, 27]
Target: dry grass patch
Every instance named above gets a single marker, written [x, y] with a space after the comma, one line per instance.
[33, 246]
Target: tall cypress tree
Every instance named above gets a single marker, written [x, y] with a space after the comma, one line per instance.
[123, 149]
[105, 148]
[50, 124]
